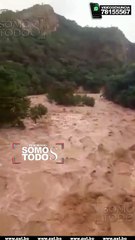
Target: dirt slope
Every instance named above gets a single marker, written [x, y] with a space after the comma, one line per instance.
[92, 193]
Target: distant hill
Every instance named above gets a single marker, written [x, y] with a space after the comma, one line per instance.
[57, 49]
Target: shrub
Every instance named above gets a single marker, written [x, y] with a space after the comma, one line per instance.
[77, 100]
[88, 101]
[37, 112]
[41, 109]
[62, 93]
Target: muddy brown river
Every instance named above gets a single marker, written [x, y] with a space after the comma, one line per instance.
[91, 193]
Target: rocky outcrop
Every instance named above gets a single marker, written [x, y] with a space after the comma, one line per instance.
[39, 18]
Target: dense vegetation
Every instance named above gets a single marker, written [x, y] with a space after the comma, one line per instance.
[63, 94]
[14, 105]
[121, 88]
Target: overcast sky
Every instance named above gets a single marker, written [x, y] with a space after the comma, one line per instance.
[78, 10]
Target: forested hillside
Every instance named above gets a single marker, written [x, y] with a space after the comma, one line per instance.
[61, 52]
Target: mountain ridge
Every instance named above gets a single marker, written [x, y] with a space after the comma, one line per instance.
[62, 50]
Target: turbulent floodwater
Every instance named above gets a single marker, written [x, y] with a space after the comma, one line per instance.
[92, 193]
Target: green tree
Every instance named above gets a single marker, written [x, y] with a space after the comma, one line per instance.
[14, 106]
[121, 88]
[62, 93]
[37, 112]
[88, 101]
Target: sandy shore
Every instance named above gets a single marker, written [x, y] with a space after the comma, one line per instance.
[92, 193]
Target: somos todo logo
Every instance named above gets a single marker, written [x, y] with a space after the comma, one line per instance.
[38, 152]
[17, 28]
